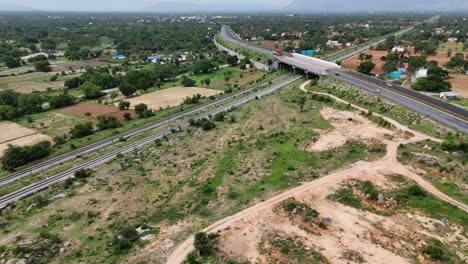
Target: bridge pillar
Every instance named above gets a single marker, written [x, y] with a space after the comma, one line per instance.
[307, 75]
[294, 69]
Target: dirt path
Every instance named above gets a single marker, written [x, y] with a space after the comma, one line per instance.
[388, 163]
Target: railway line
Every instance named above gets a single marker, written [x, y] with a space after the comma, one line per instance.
[95, 146]
[62, 176]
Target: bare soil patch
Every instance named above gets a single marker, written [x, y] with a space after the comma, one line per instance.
[94, 109]
[169, 97]
[459, 84]
[347, 126]
[13, 133]
[354, 61]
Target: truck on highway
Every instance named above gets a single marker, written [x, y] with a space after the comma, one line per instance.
[278, 52]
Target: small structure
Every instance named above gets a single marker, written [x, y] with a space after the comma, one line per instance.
[398, 49]
[421, 73]
[452, 40]
[118, 57]
[154, 59]
[449, 95]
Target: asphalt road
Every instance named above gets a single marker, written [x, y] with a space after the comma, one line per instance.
[443, 112]
[419, 107]
[60, 177]
[95, 146]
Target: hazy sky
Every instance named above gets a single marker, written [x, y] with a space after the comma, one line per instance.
[129, 5]
[233, 5]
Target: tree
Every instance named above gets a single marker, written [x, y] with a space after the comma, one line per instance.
[232, 60]
[127, 89]
[30, 103]
[205, 243]
[16, 156]
[107, 122]
[203, 66]
[207, 82]
[82, 130]
[301, 102]
[141, 110]
[127, 116]
[123, 105]
[366, 67]
[73, 83]
[7, 112]
[91, 91]
[42, 66]
[11, 62]
[187, 82]
[61, 100]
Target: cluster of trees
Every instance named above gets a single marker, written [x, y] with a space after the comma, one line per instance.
[203, 123]
[458, 62]
[16, 156]
[14, 104]
[435, 80]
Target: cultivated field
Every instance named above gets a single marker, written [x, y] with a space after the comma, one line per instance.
[169, 97]
[460, 84]
[95, 110]
[354, 61]
[15, 134]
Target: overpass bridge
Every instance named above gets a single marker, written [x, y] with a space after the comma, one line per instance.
[298, 62]
[443, 112]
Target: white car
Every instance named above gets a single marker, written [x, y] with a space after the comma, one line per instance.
[389, 84]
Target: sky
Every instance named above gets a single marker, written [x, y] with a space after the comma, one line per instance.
[235, 5]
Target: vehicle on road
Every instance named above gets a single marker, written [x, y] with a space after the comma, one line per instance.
[290, 54]
[278, 52]
[337, 74]
[389, 84]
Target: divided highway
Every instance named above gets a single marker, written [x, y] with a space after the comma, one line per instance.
[60, 177]
[445, 113]
[95, 146]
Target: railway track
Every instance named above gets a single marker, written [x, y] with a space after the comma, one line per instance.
[95, 146]
[62, 176]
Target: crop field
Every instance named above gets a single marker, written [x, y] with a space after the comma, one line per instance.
[90, 109]
[169, 97]
[13, 133]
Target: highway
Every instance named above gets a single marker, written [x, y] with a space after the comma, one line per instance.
[445, 113]
[451, 116]
[150, 126]
[60, 177]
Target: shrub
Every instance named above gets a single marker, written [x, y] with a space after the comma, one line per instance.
[205, 243]
[82, 130]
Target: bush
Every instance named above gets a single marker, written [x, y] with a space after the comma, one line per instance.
[82, 130]
[368, 188]
[204, 123]
[187, 82]
[434, 249]
[42, 66]
[107, 122]
[415, 190]
[61, 100]
[83, 173]
[205, 243]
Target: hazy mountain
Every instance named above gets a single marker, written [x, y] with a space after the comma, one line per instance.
[14, 7]
[375, 5]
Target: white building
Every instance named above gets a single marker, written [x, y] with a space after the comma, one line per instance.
[452, 40]
[398, 49]
[421, 73]
[449, 95]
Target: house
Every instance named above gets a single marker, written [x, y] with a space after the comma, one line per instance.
[449, 95]
[452, 40]
[398, 49]
[154, 59]
[421, 73]
[333, 43]
[118, 57]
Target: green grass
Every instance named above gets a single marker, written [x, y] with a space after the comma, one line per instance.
[454, 47]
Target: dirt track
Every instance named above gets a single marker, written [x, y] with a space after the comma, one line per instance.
[388, 163]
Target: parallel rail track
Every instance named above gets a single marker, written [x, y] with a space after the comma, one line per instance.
[95, 146]
[62, 176]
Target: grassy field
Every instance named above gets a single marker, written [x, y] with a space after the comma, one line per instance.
[195, 176]
[445, 171]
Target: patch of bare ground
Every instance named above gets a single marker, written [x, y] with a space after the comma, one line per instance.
[15, 134]
[169, 97]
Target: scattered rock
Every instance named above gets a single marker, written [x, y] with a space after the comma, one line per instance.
[381, 199]
[426, 158]
[147, 237]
